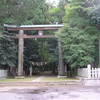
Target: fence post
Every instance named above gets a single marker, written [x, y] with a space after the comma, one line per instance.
[93, 73]
[96, 73]
[89, 71]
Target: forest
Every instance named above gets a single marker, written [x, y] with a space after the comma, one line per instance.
[80, 37]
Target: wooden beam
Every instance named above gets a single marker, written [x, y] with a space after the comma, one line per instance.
[38, 36]
[30, 29]
[14, 37]
[34, 36]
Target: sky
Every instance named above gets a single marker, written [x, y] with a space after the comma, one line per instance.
[55, 2]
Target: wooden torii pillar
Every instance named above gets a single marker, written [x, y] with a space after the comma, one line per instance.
[20, 53]
[21, 36]
[61, 69]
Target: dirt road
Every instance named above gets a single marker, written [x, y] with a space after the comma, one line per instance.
[50, 93]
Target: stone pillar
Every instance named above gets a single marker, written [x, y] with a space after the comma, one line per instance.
[89, 71]
[30, 69]
[20, 53]
[61, 69]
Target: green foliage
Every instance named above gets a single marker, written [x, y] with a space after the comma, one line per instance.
[18, 12]
[62, 4]
[43, 50]
[78, 36]
[40, 50]
[57, 13]
[8, 51]
[53, 50]
[36, 11]
[94, 13]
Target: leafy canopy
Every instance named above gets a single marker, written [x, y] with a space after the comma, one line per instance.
[18, 12]
[94, 13]
[78, 36]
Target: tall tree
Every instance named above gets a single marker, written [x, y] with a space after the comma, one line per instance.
[7, 47]
[78, 36]
[18, 12]
[57, 13]
[36, 11]
[8, 51]
[62, 4]
[94, 14]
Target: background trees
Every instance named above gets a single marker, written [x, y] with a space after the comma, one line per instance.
[57, 13]
[17, 12]
[94, 14]
[8, 52]
[23, 12]
[78, 37]
[7, 47]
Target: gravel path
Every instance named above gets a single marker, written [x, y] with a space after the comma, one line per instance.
[38, 79]
[50, 93]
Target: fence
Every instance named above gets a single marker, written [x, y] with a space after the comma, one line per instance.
[3, 73]
[82, 72]
[93, 72]
[89, 72]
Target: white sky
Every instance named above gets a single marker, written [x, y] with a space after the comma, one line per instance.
[55, 2]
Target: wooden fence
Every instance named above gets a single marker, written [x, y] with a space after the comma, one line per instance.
[88, 72]
[93, 72]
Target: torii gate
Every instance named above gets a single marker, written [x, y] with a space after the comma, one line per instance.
[21, 36]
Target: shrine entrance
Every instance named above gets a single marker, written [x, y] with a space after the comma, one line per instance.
[21, 36]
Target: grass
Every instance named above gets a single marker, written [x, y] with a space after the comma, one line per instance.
[56, 79]
[26, 79]
[45, 79]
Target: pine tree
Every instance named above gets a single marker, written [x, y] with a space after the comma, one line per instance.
[57, 13]
[8, 51]
[18, 12]
[7, 46]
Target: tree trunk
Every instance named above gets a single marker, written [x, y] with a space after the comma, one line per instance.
[13, 72]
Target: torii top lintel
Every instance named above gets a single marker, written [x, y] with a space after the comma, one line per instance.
[33, 27]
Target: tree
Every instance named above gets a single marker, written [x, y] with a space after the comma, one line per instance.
[62, 4]
[7, 46]
[22, 12]
[57, 13]
[18, 12]
[78, 36]
[36, 11]
[8, 51]
[94, 14]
